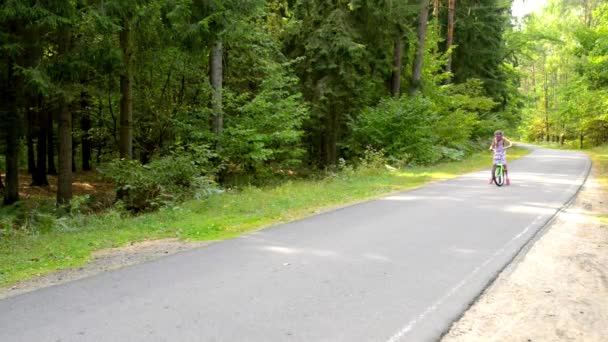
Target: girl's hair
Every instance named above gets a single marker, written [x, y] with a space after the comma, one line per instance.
[498, 132]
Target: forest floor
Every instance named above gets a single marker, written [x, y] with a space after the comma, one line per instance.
[558, 290]
[84, 183]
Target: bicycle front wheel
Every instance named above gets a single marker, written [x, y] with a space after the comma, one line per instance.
[499, 175]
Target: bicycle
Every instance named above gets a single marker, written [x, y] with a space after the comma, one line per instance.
[499, 173]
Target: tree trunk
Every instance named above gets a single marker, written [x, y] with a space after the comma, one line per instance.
[436, 9]
[10, 123]
[397, 62]
[422, 26]
[31, 55]
[11, 195]
[546, 88]
[534, 86]
[330, 138]
[64, 186]
[216, 75]
[588, 13]
[99, 145]
[39, 176]
[85, 125]
[31, 156]
[52, 170]
[126, 90]
[74, 147]
[64, 179]
[450, 39]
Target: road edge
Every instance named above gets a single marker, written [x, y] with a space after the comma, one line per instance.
[521, 253]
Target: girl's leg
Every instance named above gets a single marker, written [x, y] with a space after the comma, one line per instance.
[492, 174]
[507, 175]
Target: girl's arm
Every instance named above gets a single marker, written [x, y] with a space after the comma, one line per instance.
[509, 142]
[493, 145]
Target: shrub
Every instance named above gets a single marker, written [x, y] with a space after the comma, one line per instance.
[174, 177]
[402, 127]
[32, 217]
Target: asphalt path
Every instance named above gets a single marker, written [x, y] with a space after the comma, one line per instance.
[401, 268]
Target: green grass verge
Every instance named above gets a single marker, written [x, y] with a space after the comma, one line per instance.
[599, 155]
[219, 217]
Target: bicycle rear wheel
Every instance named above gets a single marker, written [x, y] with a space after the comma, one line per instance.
[499, 176]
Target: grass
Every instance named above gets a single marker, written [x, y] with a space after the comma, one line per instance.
[599, 155]
[71, 242]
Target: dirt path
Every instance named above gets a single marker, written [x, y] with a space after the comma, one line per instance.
[558, 291]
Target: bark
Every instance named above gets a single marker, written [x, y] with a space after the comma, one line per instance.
[31, 56]
[126, 90]
[330, 138]
[64, 179]
[50, 148]
[418, 62]
[534, 85]
[74, 147]
[397, 64]
[216, 75]
[39, 176]
[10, 123]
[546, 88]
[31, 156]
[450, 38]
[11, 195]
[64, 187]
[87, 146]
[588, 13]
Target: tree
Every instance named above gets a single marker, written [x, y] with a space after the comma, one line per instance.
[482, 50]
[64, 178]
[397, 62]
[126, 88]
[216, 76]
[450, 39]
[420, 48]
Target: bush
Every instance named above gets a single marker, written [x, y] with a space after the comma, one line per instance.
[403, 128]
[462, 108]
[174, 177]
[31, 217]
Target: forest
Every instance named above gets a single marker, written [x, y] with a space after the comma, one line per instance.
[169, 100]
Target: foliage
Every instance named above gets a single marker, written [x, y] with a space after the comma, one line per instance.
[425, 129]
[266, 132]
[145, 187]
[401, 127]
[565, 73]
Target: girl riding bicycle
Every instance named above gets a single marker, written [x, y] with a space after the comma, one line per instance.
[500, 144]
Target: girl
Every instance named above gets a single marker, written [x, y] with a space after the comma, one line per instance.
[500, 153]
